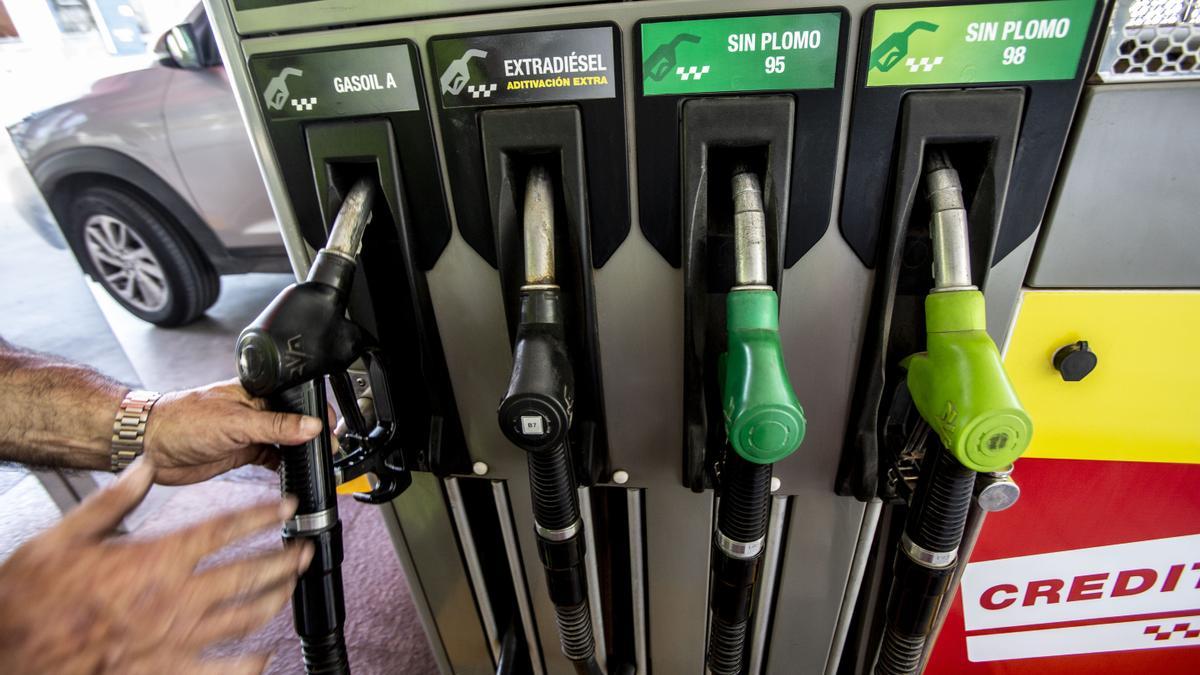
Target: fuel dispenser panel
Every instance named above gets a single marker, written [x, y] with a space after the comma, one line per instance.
[718, 92]
[579, 64]
[738, 121]
[728, 393]
[960, 116]
[1023, 66]
[337, 115]
[793, 54]
[534, 127]
[1039, 46]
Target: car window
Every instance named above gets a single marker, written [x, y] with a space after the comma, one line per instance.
[206, 40]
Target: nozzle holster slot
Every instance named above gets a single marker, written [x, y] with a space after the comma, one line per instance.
[400, 319]
[553, 137]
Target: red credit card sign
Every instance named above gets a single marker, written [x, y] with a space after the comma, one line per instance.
[1094, 547]
[1138, 595]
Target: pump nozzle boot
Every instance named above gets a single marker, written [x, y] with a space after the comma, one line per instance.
[763, 418]
[535, 413]
[961, 388]
[302, 335]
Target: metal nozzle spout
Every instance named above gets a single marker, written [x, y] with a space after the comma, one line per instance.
[345, 238]
[749, 229]
[947, 225]
[538, 225]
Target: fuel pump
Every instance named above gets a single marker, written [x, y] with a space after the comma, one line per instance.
[536, 415]
[285, 355]
[961, 390]
[763, 422]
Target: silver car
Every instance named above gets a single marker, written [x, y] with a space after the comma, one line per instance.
[151, 181]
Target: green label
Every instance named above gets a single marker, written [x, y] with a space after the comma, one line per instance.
[964, 44]
[747, 53]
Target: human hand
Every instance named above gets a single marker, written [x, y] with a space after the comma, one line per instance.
[74, 601]
[194, 435]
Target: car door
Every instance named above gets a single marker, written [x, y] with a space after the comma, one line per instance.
[217, 162]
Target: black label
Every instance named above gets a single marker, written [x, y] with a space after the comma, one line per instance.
[362, 81]
[561, 65]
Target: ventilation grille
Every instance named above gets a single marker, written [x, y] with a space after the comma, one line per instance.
[1152, 40]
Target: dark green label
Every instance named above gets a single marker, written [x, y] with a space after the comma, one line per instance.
[360, 81]
[964, 44]
[745, 53]
[572, 64]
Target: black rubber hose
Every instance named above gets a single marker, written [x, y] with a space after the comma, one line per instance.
[575, 631]
[899, 653]
[318, 604]
[935, 522]
[938, 513]
[745, 499]
[541, 394]
[555, 505]
[741, 517]
[726, 646]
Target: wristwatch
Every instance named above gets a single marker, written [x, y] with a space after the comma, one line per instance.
[129, 429]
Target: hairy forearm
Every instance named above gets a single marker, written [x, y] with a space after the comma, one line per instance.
[55, 413]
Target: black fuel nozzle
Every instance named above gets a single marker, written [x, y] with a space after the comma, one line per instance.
[284, 355]
[304, 333]
[535, 414]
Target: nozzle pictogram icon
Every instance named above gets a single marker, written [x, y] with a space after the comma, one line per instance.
[276, 94]
[662, 62]
[895, 46]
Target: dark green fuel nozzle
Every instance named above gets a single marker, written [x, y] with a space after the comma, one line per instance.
[763, 419]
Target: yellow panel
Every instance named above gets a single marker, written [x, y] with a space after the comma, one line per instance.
[360, 484]
[1140, 404]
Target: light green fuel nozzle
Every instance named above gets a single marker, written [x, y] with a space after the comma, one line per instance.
[959, 384]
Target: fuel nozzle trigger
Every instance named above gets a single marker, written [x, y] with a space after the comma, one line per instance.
[370, 448]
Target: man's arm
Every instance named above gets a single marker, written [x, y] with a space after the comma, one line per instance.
[55, 413]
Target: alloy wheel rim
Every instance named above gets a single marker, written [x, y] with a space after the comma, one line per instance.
[125, 264]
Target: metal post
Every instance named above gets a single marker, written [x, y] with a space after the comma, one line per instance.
[462, 523]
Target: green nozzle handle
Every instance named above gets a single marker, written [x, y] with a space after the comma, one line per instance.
[763, 419]
[961, 388]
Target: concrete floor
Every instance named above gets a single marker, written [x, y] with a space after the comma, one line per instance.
[45, 304]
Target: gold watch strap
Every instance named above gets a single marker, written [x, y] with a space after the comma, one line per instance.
[129, 429]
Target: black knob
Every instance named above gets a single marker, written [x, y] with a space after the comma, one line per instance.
[1075, 361]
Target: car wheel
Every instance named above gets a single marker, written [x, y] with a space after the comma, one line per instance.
[139, 257]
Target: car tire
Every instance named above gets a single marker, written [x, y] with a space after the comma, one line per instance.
[127, 245]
